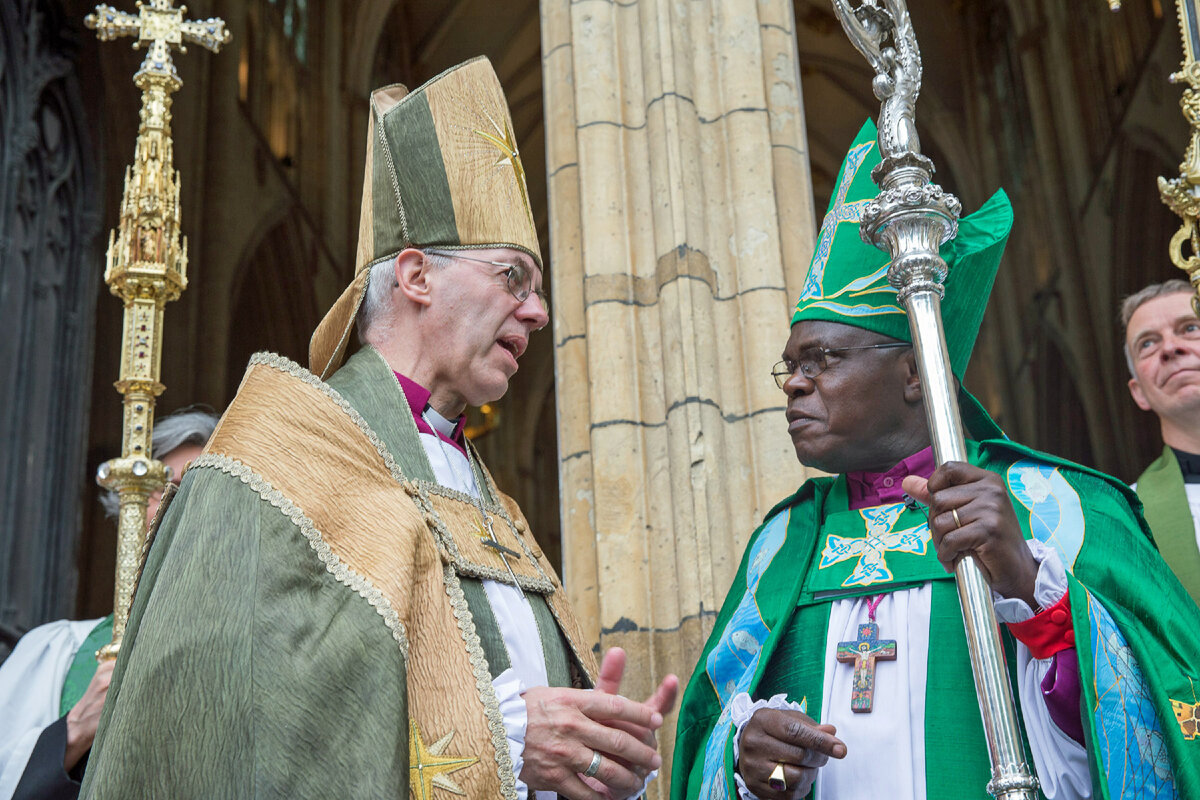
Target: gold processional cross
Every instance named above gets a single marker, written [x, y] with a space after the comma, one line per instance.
[1182, 194]
[146, 268]
[158, 24]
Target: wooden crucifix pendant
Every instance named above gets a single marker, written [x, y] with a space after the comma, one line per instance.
[863, 653]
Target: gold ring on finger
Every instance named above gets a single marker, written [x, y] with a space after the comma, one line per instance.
[957, 521]
[777, 781]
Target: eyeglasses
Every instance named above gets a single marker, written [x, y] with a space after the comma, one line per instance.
[812, 361]
[517, 276]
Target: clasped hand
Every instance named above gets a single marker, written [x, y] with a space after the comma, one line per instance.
[84, 716]
[788, 739]
[566, 726]
[970, 514]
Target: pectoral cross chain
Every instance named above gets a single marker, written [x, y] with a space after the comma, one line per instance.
[488, 538]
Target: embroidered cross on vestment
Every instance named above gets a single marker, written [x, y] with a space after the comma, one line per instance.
[871, 550]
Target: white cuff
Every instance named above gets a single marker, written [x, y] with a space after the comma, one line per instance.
[741, 709]
[509, 690]
[1048, 589]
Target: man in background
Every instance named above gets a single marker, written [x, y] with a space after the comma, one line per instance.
[1162, 349]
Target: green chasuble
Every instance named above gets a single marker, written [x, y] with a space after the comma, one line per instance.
[1164, 500]
[270, 654]
[1136, 631]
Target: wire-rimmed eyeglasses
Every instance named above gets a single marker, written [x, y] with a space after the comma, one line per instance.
[812, 361]
[517, 276]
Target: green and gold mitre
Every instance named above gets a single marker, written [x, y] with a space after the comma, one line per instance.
[443, 170]
[847, 278]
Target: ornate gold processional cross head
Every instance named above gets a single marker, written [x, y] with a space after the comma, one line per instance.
[1182, 194]
[158, 26]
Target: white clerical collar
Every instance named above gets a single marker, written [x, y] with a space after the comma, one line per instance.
[439, 423]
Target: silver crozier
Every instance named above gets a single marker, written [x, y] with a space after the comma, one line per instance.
[910, 219]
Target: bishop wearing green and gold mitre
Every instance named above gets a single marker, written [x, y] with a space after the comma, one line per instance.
[838, 667]
[339, 601]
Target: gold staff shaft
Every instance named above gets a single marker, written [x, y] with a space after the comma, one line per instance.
[1182, 194]
[147, 268]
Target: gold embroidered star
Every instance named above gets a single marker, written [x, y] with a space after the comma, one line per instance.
[428, 768]
[504, 141]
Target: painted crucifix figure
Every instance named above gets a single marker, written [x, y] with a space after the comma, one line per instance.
[863, 652]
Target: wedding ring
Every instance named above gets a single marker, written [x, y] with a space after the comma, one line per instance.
[957, 521]
[777, 782]
[593, 767]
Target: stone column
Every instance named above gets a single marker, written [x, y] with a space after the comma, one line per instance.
[681, 223]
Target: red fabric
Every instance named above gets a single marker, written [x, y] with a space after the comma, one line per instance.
[1049, 632]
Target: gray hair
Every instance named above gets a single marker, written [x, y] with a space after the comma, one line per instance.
[377, 300]
[1138, 299]
[186, 426]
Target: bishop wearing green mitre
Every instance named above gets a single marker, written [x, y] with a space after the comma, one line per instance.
[838, 667]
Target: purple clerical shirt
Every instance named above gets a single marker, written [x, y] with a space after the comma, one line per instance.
[1060, 686]
[418, 399]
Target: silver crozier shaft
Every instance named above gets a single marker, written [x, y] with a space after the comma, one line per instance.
[910, 219]
[1011, 779]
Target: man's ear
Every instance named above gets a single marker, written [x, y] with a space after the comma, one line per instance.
[1139, 397]
[410, 275]
[913, 392]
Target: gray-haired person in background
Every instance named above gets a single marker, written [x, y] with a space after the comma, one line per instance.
[1162, 348]
[51, 690]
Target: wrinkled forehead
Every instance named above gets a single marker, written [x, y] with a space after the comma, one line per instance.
[1163, 312]
[809, 333]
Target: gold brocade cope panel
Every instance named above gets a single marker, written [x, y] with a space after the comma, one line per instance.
[460, 533]
[401, 546]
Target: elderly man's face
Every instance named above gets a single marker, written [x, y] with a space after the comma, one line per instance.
[852, 416]
[481, 328]
[1163, 338]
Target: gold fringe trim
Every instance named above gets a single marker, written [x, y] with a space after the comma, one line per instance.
[418, 489]
[483, 683]
[334, 565]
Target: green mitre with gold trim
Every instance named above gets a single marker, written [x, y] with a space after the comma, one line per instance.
[443, 170]
[847, 278]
